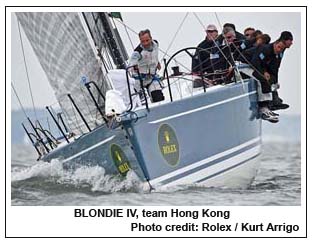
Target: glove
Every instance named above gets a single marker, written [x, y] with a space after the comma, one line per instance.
[275, 86]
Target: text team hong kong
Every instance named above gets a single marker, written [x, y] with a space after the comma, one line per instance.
[174, 213]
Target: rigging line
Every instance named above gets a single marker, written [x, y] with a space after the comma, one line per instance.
[107, 61]
[162, 51]
[109, 45]
[94, 45]
[113, 19]
[211, 66]
[218, 20]
[175, 35]
[19, 101]
[227, 43]
[92, 113]
[72, 124]
[128, 35]
[86, 99]
[132, 30]
[29, 86]
[77, 124]
[248, 62]
[115, 38]
[198, 19]
[66, 120]
[53, 112]
[216, 45]
[219, 23]
[48, 123]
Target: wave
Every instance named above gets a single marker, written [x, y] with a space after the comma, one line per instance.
[93, 179]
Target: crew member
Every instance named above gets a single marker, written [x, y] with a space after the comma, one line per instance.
[277, 102]
[266, 63]
[239, 36]
[145, 63]
[247, 55]
[201, 62]
[224, 62]
[248, 33]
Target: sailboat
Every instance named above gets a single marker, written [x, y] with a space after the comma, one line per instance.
[203, 136]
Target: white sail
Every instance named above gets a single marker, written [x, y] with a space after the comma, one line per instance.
[65, 54]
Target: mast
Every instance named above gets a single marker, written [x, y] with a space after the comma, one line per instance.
[95, 47]
[111, 39]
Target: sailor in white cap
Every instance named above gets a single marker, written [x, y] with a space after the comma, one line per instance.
[212, 32]
[202, 60]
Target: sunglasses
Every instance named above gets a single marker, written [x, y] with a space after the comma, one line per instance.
[210, 31]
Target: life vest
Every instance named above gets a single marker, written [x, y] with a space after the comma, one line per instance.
[146, 59]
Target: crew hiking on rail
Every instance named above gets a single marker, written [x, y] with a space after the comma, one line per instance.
[216, 55]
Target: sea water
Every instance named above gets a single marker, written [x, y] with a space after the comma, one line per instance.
[278, 181]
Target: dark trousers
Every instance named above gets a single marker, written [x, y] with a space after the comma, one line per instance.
[263, 104]
[265, 86]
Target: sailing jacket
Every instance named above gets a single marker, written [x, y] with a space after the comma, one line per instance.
[145, 59]
[265, 60]
[248, 54]
[224, 59]
[202, 60]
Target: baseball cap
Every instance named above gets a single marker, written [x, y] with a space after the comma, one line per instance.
[211, 27]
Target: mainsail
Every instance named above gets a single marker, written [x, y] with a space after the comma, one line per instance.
[65, 52]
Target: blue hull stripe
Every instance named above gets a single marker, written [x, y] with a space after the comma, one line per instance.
[179, 176]
[203, 108]
[225, 170]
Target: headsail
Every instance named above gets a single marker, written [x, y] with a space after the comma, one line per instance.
[61, 44]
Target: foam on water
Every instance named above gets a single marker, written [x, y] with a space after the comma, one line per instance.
[42, 169]
[80, 177]
[278, 182]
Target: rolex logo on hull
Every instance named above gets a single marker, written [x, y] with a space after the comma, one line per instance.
[120, 159]
[168, 144]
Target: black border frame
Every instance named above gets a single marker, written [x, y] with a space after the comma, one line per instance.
[184, 6]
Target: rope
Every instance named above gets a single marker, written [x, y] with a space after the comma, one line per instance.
[97, 48]
[55, 115]
[72, 124]
[249, 63]
[19, 101]
[212, 64]
[48, 123]
[219, 23]
[29, 86]
[125, 30]
[86, 99]
[107, 61]
[175, 35]
[128, 35]
[198, 19]
[235, 68]
[162, 51]
[66, 119]
[78, 124]
[216, 45]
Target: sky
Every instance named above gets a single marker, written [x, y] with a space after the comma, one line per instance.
[164, 26]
